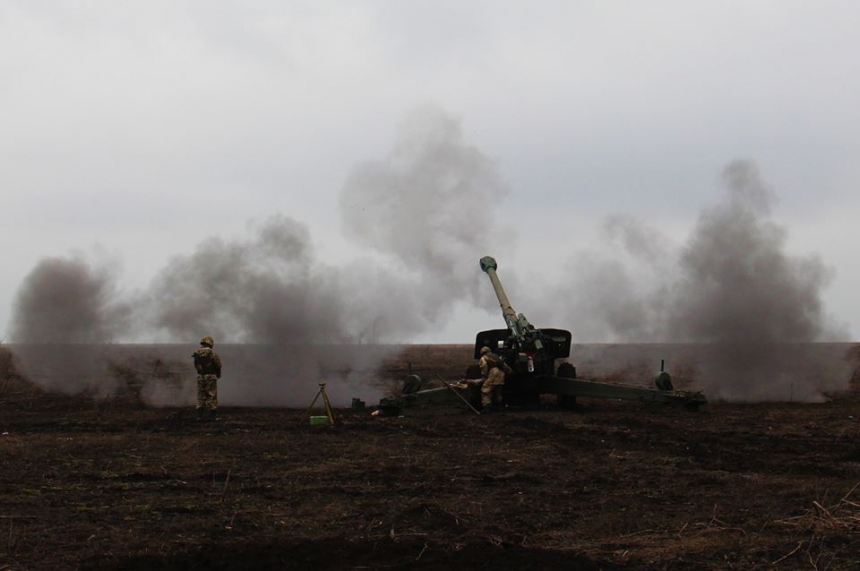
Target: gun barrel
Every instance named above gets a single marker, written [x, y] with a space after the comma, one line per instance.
[489, 266]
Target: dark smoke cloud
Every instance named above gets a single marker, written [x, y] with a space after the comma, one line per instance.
[732, 287]
[68, 301]
[753, 303]
[426, 214]
[739, 285]
[267, 289]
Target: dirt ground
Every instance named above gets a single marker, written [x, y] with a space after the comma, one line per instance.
[112, 484]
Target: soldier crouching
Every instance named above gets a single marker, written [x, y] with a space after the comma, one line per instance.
[493, 370]
[208, 366]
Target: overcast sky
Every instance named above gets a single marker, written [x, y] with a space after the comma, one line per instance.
[133, 133]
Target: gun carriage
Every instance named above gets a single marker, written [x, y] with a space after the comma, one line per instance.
[538, 357]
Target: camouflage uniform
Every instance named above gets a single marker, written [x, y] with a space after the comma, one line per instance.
[493, 370]
[208, 365]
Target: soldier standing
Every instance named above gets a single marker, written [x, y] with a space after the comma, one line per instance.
[208, 365]
[493, 370]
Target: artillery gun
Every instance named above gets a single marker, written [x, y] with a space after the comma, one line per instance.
[534, 356]
[532, 353]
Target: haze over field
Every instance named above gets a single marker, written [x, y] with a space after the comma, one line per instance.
[752, 308]
[322, 172]
[731, 282]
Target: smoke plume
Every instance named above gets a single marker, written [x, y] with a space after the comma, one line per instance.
[739, 285]
[69, 301]
[432, 206]
[425, 214]
[750, 301]
[732, 288]
[266, 289]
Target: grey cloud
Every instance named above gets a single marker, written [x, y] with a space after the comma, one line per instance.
[424, 215]
[69, 300]
[733, 287]
[428, 211]
[431, 204]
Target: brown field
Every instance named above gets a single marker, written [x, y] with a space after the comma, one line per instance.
[111, 483]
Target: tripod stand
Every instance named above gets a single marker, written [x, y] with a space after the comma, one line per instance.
[328, 411]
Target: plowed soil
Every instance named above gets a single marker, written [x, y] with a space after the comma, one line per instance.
[112, 484]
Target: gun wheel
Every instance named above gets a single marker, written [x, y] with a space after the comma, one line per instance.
[567, 371]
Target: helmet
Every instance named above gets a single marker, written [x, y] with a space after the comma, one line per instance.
[485, 350]
[207, 341]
